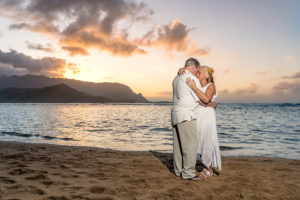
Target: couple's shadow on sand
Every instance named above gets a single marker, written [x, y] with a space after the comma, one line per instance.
[167, 160]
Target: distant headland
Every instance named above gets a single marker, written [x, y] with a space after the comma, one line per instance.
[33, 88]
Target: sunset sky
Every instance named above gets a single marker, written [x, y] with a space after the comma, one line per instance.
[253, 45]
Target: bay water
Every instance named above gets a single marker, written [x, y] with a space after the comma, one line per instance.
[271, 130]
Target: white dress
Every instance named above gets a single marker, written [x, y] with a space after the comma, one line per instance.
[208, 150]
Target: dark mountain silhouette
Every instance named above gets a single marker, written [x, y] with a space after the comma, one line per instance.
[53, 94]
[115, 91]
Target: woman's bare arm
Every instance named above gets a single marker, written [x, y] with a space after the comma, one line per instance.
[205, 97]
[210, 104]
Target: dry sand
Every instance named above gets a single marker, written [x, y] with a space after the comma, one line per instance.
[42, 171]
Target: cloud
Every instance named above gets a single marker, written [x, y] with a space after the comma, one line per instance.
[99, 24]
[116, 45]
[173, 37]
[194, 51]
[79, 25]
[291, 59]
[224, 92]
[13, 62]
[293, 76]
[287, 88]
[41, 27]
[40, 47]
[247, 91]
[75, 50]
[226, 71]
[282, 85]
[246, 94]
[8, 70]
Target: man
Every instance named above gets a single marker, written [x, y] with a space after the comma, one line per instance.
[184, 124]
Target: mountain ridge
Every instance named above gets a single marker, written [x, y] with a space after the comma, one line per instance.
[117, 92]
[60, 93]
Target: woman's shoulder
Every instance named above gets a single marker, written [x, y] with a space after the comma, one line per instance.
[210, 85]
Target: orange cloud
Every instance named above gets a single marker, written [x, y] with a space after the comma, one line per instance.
[115, 45]
[41, 26]
[73, 50]
[291, 59]
[80, 25]
[173, 37]
[226, 71]
[77, 24]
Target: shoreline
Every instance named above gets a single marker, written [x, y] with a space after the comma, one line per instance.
[222, 148]
[50, 171]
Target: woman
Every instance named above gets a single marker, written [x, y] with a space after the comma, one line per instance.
[208, 145]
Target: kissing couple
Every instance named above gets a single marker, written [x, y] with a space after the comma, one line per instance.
[194, 122]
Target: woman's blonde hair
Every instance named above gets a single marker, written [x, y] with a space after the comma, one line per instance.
[208, 73]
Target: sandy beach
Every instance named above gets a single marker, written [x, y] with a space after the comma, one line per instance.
[52, 172]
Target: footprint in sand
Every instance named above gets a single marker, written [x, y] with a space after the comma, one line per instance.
[15, 187]
[36, 177]
[14, 163]
[7, 180]
[22, 165]
[48, 183]
[15, 156]
[26, 189]
[72, 188]
[97, 189]
[56, 198]
[100, 190]
[35, 190]
[63, 166]
[20, 171]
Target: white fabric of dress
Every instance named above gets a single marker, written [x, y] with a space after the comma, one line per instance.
[208, 150]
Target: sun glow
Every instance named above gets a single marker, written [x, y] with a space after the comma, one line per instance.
[86, 75]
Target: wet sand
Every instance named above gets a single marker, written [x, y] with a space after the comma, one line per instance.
[53, 172]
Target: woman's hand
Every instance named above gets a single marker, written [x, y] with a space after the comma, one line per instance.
[191, 83]
[181, 71]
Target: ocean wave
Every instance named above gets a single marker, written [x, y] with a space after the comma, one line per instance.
[46, 137]
[160, 129]
[229, 128]
[227, 148]
[293, 139]
[222, 133]
[98, 130]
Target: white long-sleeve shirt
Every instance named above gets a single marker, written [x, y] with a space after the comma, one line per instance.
[184, 99]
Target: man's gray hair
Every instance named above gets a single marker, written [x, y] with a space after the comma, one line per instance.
[192, 61]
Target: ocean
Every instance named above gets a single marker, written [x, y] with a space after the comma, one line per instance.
[271, 130]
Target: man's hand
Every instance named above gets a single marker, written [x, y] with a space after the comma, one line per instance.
[181, 71]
